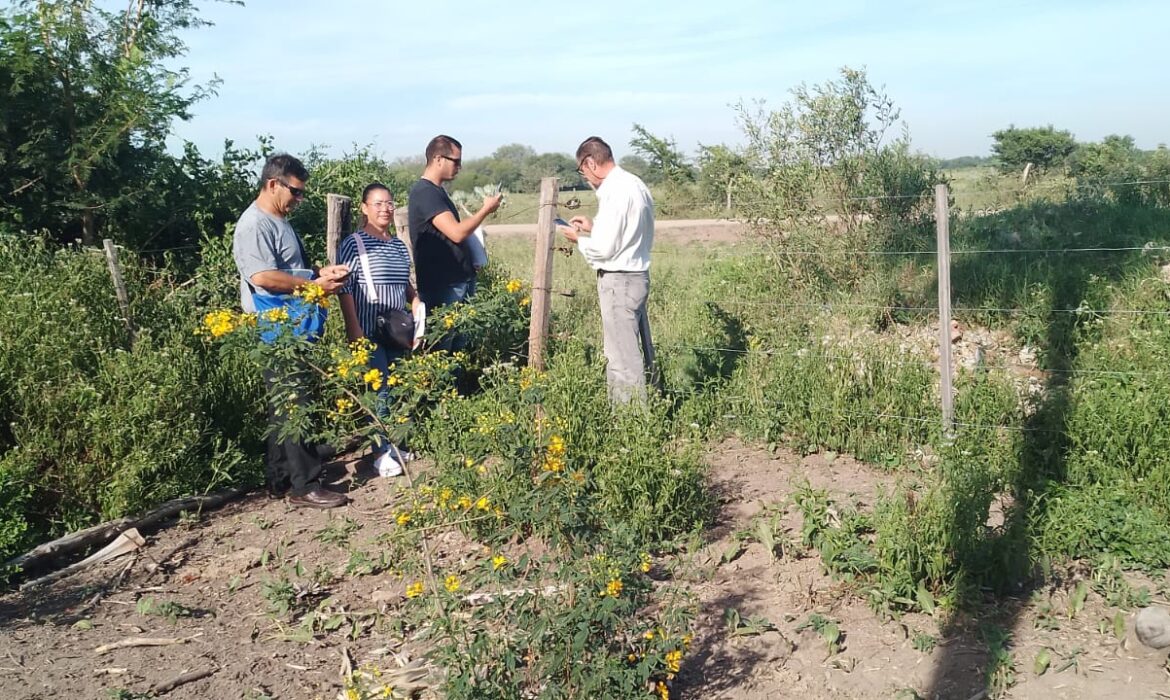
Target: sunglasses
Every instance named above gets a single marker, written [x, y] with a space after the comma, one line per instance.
[294, 191]
[456, 161]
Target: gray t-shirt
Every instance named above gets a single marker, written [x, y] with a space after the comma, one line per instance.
[264, 242]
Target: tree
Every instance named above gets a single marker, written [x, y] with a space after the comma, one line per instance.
[665, 162]
[636, 165]
[1117, 169]
[719, 168]
[818, 154]
[558, 165]
[1043, 147]
[87, 102]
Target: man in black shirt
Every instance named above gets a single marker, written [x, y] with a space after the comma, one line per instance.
[442, 259]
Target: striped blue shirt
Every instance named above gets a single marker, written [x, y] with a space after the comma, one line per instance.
[390, 270]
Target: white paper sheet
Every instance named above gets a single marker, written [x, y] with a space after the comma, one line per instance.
[420, 322]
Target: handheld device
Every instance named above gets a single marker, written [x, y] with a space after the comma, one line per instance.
[561, 222]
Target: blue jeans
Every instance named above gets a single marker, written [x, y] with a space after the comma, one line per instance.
[451, 294]
[380, 360]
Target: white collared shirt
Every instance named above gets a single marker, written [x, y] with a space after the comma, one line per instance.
[623, 230]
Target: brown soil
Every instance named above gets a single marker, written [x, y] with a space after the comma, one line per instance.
[48, 636]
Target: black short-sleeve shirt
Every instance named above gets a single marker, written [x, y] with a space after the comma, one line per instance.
[438, 262]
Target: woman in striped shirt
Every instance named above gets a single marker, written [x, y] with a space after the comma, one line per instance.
[389, 272]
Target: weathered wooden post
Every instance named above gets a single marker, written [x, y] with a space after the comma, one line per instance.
[402, 226]
[542, 273]
[119, 286]
[338, 223]
[943, 236]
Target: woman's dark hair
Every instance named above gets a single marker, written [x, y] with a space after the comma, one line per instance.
[370, 188]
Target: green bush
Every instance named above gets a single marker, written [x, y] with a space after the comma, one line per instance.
[97, 427]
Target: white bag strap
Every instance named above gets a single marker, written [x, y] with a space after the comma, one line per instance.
[371, 292]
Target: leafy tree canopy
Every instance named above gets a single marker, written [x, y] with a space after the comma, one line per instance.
[1043, 147]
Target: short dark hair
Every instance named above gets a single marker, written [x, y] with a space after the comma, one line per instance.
[282, 165]
[593, 147]
[441, 145]
[373, 187]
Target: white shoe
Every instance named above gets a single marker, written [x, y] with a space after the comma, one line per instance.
[387, 466]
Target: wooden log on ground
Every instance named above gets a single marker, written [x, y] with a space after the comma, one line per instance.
[101, 534]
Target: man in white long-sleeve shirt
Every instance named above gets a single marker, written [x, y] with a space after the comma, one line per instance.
[617, 245]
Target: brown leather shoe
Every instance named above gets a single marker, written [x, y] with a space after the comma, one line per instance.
[319, 498]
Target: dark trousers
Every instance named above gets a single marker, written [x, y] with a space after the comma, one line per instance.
[292, 464]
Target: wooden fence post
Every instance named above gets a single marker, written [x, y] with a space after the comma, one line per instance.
[542, 273]
[946, 369]
[119, 286]
[402, 226]
[337, 223]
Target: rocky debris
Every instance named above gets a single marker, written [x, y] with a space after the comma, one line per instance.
[1153, 627]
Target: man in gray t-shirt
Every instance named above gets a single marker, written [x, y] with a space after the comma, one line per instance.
[271, 258]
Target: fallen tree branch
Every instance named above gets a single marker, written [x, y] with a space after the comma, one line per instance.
[182, 679]
[142, 642]
[484, 598]
[127, 542]
[103, 533]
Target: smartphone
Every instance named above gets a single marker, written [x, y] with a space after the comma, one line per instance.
[561, 222]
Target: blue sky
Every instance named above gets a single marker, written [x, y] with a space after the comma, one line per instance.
[549, 74]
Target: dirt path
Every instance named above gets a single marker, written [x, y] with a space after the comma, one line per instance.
[674, 231]
[226, 563]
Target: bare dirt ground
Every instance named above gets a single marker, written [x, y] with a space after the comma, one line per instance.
[217, 567]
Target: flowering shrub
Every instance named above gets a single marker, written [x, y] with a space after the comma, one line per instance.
[96, 426]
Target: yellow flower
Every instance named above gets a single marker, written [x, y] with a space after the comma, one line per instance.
[373, 378]
[513, 286]
[465, 502]
[673, 660]
[663, 691]
[613, 589]
[352, 693]
[483, 503]
[686, 640]
[525, 301]
[632, 658]
[449, 321]
[401, 419]
[219, 323]
[312, 293]
[556, 446]
[498, 562]
[648, 635]
[393, 380]
[343, 405]
[277, 315]
[445, 495]
[451, 583]
[414, 590]
[645, 566]
[553, 464]
[403, 518]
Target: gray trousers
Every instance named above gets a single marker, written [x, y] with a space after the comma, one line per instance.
[629, 351]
